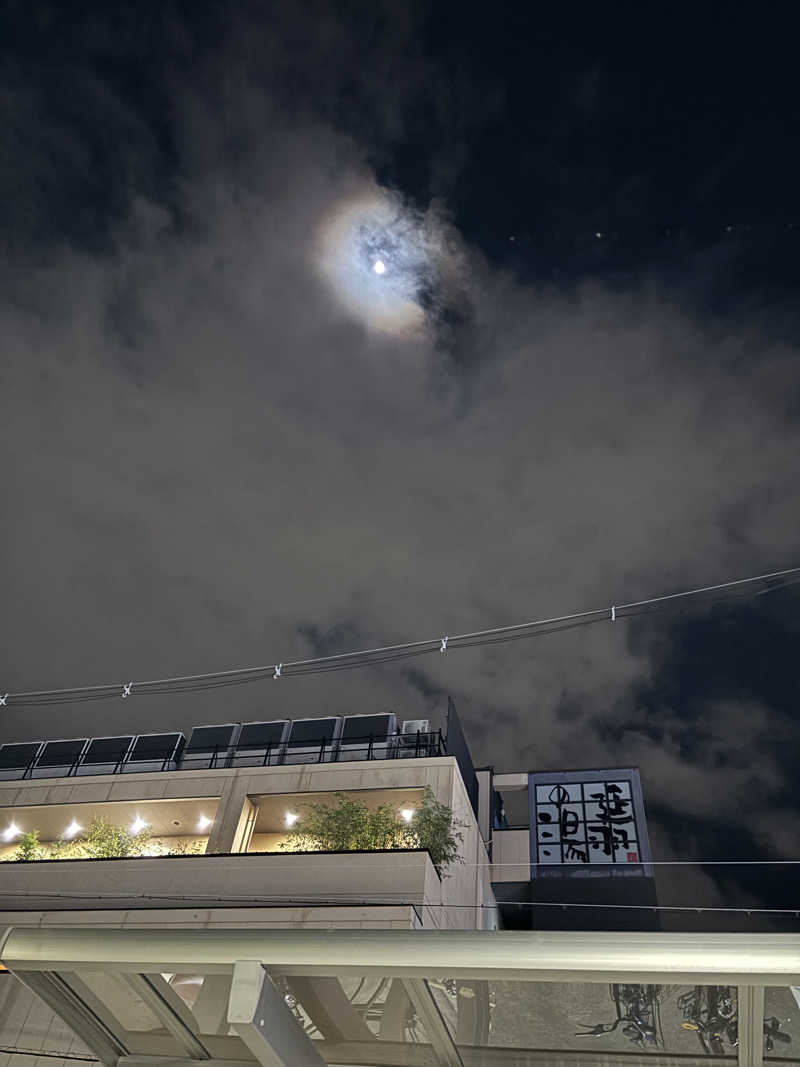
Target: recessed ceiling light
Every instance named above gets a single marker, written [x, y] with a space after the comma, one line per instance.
[407, 814]
[291, 818]
[203, 823]
[12, 831]
[137, 826]
[73, 829]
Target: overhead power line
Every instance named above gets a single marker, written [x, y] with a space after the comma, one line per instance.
[344, 900]
[371, 657]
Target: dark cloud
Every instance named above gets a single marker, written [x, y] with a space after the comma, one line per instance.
[211, 462]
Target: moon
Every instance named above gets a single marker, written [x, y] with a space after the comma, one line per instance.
[380, 260]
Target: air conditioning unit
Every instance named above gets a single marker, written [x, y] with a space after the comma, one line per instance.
[415, 726]
[415, 739]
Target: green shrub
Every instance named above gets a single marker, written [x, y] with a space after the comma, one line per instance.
[104, 840]
[349, 825]
[29, 847]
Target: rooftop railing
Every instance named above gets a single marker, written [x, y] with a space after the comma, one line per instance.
[398, 746]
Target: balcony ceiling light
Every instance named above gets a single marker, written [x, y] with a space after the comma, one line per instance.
[73, 829]
[407, 814]
[203, 823]
[137, 826]
[12, 832]
[291, 818]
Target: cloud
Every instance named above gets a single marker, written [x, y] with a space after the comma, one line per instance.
[212, 461]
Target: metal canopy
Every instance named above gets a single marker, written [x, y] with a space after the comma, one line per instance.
[732, 959]
[295, 998]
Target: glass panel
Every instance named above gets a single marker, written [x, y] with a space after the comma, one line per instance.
[591, 1017]
[782, 1023]
[385, 1008]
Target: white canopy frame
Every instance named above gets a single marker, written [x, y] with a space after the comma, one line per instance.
[50, 962]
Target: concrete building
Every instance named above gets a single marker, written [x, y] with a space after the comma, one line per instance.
[216, 811]
[218, 943]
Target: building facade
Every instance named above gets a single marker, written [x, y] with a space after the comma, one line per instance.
[218, 941]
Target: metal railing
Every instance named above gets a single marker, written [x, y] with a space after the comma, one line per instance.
[398, 746]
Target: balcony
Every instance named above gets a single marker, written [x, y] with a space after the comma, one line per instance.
[242, 880]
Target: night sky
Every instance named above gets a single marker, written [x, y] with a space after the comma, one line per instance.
[224, 444]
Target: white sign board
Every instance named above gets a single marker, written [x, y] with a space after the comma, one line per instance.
[587, 817]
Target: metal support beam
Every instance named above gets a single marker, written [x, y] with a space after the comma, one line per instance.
[261, 1017]
[435, 1027]
[63, 1001]
[751, 1025]
[507, 955]
[170, 1010]
[325, 1003]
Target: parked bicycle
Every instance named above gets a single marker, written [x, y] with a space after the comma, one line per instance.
[637, 1013]
[710, 1011]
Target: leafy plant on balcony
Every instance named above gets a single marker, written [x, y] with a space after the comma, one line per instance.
[435, 828]
[183, 847]
[105, 840]
[63, 849]
[349, 825]
[29, 847]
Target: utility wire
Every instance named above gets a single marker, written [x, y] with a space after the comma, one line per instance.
[287, 864]
[266, 901]
[383, 654]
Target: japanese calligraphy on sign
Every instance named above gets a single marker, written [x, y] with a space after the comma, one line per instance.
[590, 821]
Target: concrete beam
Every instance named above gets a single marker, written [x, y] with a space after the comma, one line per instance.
[260, 1016]
[435, 1027]
[750, 1015]
[508, 783]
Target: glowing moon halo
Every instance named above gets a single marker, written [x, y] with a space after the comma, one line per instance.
[353, 240]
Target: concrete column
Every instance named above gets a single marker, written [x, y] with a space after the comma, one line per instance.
[235, 818]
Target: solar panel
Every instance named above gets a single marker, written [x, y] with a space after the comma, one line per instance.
[313, 731]
[362, 727]
[209, 738]
[155, 747]
[61, 753]
[107, 749]
[18, 756]
[59, 758]
[261, 734]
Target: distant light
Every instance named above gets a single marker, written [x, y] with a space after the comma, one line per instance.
[137, 826]
[203, 823]
[599, 234]
[379, 266]
[12, 831]
[73, 829]
[407, 814]
[291, 818]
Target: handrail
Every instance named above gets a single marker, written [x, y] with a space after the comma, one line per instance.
[368, 747]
